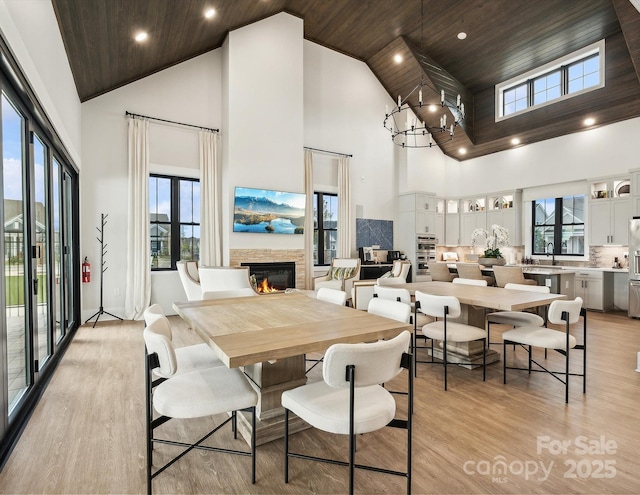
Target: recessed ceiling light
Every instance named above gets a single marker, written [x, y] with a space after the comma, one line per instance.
[589, 121]
[397, 58]
[515, 141]
[433, 108]
[462, 151]
[462, 35]
[141, 36]
[209, 13]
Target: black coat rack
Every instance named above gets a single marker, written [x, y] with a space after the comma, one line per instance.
[103, 268]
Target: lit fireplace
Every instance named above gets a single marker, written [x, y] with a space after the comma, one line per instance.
[273, 277]
[265, 287]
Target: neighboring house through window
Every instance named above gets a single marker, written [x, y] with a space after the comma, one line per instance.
[325, 227]
[174, 217]
[558, 226]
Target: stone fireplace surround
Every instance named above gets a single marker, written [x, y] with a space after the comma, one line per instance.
[238, 256]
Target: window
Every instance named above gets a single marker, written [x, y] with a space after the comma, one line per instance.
[174, 216]
[569, 76]
[325, 228]
[558, 226]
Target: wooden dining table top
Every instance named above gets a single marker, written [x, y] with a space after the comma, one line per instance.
[249, 330]
[485, 297]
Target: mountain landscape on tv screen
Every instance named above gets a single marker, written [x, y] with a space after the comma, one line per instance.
[258, 213]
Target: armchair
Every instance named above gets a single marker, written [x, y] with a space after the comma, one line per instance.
[342, 273]
[225, 281]
[190, 278]
[397, 274]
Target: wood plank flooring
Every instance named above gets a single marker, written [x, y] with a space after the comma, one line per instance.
[87, 434]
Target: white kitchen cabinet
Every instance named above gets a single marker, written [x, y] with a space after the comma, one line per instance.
[417, 215]
[505, 209]
[595, 288]
[440, 220]
[609, 221]
[473, 216]
[452, 223]
[635, 191]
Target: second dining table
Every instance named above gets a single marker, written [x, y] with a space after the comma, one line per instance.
[268, 335]
[475, 301]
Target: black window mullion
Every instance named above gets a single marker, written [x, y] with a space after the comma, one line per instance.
[175, 221]
[557, 227]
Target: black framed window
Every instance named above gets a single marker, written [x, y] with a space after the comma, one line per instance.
[558, 226]
[174, 217]
[563, 80]
[325, 227]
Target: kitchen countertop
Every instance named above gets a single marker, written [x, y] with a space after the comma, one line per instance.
[551, 270]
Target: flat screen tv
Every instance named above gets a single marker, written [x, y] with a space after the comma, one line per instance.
[268, 212]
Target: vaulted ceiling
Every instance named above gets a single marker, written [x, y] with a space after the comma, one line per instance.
[505, 38]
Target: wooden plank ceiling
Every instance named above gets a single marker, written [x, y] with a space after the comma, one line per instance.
[505, 38]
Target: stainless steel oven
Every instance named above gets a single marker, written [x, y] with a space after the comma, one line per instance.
[425, 252]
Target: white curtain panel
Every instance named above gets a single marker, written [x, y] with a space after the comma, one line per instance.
[210, 200]
[308, 219]
[345, 229]
[138, 289]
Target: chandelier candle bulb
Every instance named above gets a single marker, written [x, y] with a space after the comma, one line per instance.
[420, 97]
[451, 132]
[442, 96]
[399, 101]
[458, 102]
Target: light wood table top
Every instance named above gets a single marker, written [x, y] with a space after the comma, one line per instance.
[249, 330]
[485, 297]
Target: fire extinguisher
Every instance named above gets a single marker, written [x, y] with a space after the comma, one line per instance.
[86, 271]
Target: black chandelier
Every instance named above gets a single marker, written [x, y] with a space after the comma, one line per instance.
[410, 131]
[407, 128]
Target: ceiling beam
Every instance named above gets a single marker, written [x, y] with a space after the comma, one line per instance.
[629, 19]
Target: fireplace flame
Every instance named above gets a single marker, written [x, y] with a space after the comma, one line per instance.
[264, 287]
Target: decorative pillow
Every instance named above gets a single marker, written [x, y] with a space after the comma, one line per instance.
[341, 272]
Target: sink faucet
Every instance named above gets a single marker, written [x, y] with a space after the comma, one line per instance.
[553, 254]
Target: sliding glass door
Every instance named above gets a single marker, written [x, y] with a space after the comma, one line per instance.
[39, 254]
[18, 370]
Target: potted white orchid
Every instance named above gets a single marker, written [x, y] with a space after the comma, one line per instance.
[498, 236]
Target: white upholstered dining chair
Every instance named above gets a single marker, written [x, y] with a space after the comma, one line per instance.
[442, 308]
[350, 400]
[195, 394]
[565, 314]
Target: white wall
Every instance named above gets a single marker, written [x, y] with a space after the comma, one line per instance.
[579, 156]
[189, 92]
[263, 130]
[31, 29]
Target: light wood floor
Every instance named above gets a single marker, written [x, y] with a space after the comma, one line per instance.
[87, 434]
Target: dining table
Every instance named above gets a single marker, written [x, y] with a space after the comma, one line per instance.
[268, 336]
[475, 302]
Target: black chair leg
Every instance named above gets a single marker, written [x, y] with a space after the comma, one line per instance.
[504, 362]
[253, 445]
[286, 445]
[444, 361]
[484, 359]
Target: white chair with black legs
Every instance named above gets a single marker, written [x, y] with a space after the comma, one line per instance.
[416, 319]
[396, 310]
[196, 394]
[517, 318]
[188, 358]
[566, 314]
[443, 308]
[333, 296]
[350, 399]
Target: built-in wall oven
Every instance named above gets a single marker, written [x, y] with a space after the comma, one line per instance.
[425, 252]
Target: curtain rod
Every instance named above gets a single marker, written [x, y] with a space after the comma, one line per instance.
[329, 152]
[170, 121]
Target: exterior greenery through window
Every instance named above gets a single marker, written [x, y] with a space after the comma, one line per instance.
[558, 226]
[325, 227]
[174, 216]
